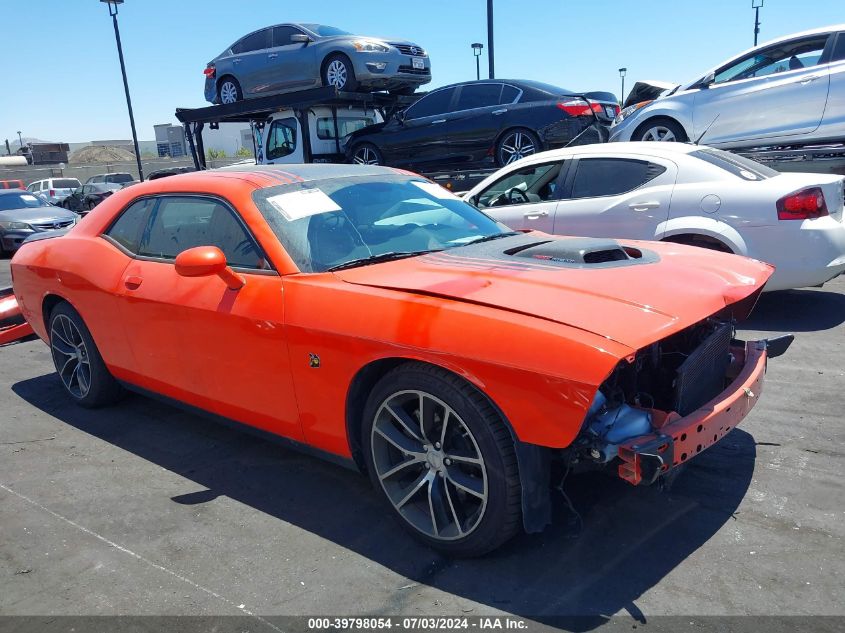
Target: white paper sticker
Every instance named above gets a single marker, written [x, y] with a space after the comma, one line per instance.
[302, 203]
[435, 190]
[28, 197]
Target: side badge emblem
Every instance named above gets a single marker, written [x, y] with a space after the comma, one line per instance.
[313, 360]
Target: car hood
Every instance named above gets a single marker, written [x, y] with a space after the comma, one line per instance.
[634, 302]
[647, 90]
[37, 215]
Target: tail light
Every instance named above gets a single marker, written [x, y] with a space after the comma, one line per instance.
[209, 72]
[580, 107]
[802, 205]
[52, 193]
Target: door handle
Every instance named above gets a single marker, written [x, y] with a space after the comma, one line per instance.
[273, 55]
[438, 121]
[237, 60]
[502, 111]
[807, 80]
[643, 206]
[133, 282]
[535, 215]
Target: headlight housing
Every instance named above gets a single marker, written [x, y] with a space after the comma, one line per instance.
[370, 46]
[624, 114]
[14, 225]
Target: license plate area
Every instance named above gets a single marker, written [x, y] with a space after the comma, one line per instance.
[417, 63]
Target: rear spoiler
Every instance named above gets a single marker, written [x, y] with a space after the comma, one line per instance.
[13, 327]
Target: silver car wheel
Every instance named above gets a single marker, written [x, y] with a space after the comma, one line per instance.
[70, 355]
[365, 156]
[336, 74]
[228, 92]
[515, 146]
[429, 465]
[659, 133]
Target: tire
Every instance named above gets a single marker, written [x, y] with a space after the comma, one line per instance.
[515, 144]
[463, 498]
[665, 130]
[338, 72]
[367, 154]
[78, 362]
[229, 90]
[701, 241]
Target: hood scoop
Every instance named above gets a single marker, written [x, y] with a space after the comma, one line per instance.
[581, 253]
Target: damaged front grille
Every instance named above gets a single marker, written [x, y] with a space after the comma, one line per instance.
[702, 375]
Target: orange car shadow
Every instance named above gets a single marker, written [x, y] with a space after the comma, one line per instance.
[630, 538]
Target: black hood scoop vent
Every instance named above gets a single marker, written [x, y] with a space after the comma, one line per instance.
[581, 252]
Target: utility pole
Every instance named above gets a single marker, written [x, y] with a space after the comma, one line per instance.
[113, 13]
[490, 38]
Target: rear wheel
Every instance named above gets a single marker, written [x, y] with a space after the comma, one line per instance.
[338, 72]
[516, 144]
[702, 241]
[664, 130]
[229, 90]
[367, 154]
[443, 459]
[78, 362]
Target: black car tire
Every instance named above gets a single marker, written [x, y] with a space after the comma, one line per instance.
[95, 386]
[489, 516]
[338, 72]
[228, 85]
[516, 143]
[366, 154]
[654, 128]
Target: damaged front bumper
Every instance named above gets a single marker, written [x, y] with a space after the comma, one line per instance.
[677, 439]
[13, 327]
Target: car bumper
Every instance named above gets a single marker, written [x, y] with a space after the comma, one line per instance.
[13, 239]
[390, 70]
[623, 131]
[678, 439]
[210, 90]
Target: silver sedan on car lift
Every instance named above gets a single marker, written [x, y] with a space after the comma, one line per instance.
[784, 92]
[290, 57]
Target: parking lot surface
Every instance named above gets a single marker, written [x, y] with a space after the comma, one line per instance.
[143, 509]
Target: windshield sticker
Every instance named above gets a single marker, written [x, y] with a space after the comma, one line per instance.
[302, 204]
[435, 190]
[27, 197]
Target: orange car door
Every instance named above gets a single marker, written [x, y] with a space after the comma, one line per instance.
[195, 340]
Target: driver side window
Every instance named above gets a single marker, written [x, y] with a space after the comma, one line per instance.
[776, 59]
[537, 183]
[281, 141]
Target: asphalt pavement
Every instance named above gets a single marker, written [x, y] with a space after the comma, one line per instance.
[142, 509]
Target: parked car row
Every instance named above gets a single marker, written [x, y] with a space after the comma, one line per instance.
[23, 213]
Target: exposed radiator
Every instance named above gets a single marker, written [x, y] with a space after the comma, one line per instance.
[701, 377]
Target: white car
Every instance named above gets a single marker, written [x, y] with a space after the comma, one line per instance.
[784, 92]
[54, 190]
[677, 192]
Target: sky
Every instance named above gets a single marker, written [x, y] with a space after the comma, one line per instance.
[67, 84]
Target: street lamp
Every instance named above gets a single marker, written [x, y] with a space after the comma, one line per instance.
[756, 5]
[622, 72]
[476, 51]
[113, 13]
[20, 139]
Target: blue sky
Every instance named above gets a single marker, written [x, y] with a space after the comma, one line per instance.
[67, 85]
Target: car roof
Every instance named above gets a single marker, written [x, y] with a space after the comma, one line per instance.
[310, 172]
[641, 148]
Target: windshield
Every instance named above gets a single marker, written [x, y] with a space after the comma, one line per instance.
[325, 31]
[327, 223]
[739, 166]
[21, 201]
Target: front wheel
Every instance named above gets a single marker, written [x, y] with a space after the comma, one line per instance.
[516, 144]
[662, 130]
[442, 458]
[78, 362]
[338, 72]
[367, 154]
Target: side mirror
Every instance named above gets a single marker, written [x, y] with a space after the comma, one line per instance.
[708, 79]
[299, 38]
[400, 117]
[204, 261]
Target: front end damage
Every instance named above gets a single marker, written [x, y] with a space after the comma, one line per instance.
[672, 400]
[13, 327]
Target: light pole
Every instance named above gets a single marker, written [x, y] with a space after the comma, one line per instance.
[20, 139]
[622, 72]
[490, 38]
[476, 51]
[113, 13]
[756, 4]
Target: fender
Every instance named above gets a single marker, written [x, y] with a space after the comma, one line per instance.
[666, 107]
[699, 225]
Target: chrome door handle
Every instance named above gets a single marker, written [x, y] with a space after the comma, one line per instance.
[642, 206]
[273, 55]
[438, 121]
[535, 215]
[807, 80]
[132, 282]
[237, 60]
[502, 111]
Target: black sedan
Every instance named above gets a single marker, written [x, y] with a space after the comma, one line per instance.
[483, 124]
[88, 196]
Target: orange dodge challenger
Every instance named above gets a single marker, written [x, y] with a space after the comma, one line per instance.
[374, 316]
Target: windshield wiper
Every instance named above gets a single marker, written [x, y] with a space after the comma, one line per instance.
[490, 238]
[383, 257]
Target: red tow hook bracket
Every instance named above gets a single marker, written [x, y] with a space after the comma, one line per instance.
[644, 461]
